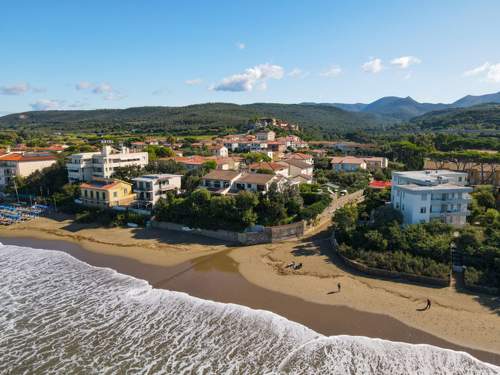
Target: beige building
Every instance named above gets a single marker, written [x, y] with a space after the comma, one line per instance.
[477, 174]
[354, 163]
[273, 167]
[106, 193]
[224, 182]
[265, 136]
[297, 167]
[22, 165]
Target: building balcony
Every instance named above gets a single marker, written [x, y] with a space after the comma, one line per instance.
[449, 213]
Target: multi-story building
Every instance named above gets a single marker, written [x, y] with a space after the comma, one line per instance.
[265, 136]
[106, 193]
[150, 188]
[80, 167]
[353, 163]
[223, 182]
[376, 162]
[347, 163]
[22, 165]
[486, 174]
[90, 165]
[422, 196]
[306, 158]
[218, 150]
[273, 167]
[298, 167]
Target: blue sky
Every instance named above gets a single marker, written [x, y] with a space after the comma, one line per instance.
[117, 54]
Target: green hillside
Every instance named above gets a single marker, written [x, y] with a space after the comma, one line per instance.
[314, 119]
[484, 117]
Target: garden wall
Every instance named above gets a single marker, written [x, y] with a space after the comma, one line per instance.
[269, 234]
[377, 272]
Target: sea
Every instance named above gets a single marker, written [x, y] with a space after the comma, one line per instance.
[59, 315]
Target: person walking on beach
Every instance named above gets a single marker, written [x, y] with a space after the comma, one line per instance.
[428, 306]
[338, 288]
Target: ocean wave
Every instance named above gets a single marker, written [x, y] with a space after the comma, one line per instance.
[61, 315]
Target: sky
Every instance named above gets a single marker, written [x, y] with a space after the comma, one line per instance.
[118, 54]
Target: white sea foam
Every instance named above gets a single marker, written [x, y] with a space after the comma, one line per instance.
[62, 316]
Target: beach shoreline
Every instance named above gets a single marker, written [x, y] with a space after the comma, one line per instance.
[255, 276]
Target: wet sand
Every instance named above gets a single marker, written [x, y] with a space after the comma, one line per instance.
[216, 277]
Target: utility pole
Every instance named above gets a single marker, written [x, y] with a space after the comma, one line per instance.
[15, 188]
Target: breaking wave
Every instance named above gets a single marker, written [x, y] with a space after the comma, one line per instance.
[61, 315]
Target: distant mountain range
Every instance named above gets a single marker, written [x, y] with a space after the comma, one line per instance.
[323, 120]
[403, 109]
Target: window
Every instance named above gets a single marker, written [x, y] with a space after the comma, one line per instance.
[460, 179]
[423, 210]
[115, 194]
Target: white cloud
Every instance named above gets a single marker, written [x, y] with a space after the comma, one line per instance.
[488, 72]
[193, 82]
[333, 71]
[240, 45]
[478, 70]
[45, 105]
[494, 73]
[297, 73]
[77, 104]
[374, 65]
[250, 78]
[114, 95]
[404, 62]
[102, 88]
[83, 85]
[17, 89]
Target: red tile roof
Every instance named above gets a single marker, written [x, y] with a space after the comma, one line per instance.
[102, 185]
[23, 158]
[380, 184]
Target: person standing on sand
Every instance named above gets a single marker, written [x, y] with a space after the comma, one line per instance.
[338, 288]
[428, 306]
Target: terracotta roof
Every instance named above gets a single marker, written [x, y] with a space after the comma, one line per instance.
[380, 184]
[298, 156]
[255, 178]
[346, 160]
[374, 158]
[23, 158]
[267, 165]
[221, 175]
[102, 185]
[298, 163]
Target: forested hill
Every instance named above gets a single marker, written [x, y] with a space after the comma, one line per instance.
[315, 119]
[484, 117]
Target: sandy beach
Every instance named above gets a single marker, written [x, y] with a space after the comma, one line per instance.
[256, 276]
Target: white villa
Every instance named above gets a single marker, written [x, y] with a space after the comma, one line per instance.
[84, 167]
[150, 188]
[425, 195]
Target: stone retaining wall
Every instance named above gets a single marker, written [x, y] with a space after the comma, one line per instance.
[389, 274]
[269, 234]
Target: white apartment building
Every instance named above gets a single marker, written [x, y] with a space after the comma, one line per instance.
[150, 188]
[22, 165]
[89, 165]
[422, 196]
